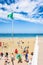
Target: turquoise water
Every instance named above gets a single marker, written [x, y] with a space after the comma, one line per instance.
[20, 35]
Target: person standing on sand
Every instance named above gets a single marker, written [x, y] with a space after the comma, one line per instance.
[12, 58]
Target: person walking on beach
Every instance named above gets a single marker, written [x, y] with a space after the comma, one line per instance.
[1, 55]
[20, 59]
[30, 60]
[6, 59]
[12, 58]
[26, 56]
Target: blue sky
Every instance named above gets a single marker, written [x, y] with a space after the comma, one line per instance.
[21, 27]
[27, 18]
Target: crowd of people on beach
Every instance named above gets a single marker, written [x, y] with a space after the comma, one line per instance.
[11, 58]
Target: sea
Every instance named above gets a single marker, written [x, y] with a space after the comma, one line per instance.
[19, 35]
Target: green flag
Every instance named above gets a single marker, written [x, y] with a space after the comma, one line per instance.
[10, 15]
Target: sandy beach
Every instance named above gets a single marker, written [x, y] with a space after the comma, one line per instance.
[10, 44]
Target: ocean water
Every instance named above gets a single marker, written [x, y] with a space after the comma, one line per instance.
[20, 35]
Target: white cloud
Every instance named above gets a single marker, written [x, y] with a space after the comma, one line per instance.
[21, 17]
[25, 6]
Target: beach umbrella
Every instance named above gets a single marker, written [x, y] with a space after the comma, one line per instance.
[18, 56]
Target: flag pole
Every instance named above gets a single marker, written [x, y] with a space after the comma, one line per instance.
[12, 32]
[11, 17]
[12, 29]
